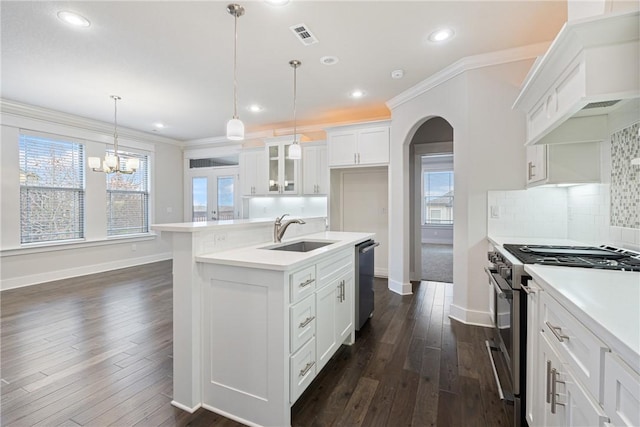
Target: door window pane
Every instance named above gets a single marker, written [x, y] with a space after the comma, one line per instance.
[225, 197]
[199, 199]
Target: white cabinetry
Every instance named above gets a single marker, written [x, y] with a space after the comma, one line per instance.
[253, 177]
[315, 172]
[574, 163]
[574, 378]
[359, 145]
[590, 61]
[283, 174]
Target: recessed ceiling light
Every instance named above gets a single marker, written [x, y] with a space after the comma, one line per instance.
[329, 60]
[255, 108]
[159, 125]
[357, 93]
[397, 74]
[441, 35]
[73, 18]
[277, 2]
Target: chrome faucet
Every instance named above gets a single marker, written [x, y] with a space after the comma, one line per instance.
[279, 227]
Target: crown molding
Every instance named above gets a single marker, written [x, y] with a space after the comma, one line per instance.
[20, 110]
[466, 64]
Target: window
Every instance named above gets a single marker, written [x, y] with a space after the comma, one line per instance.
[128, 198]
[438, 197]
[51, 189]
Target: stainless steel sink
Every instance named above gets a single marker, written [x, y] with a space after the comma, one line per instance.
[300, 246]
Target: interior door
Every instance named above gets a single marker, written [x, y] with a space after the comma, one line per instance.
[215, 194]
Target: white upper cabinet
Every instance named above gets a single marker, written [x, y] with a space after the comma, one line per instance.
[283, 174]
[577, 163]
[315, 172]
[590, 70]
[363, 144]
[253, 177]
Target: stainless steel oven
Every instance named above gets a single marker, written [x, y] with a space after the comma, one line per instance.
[509, 321]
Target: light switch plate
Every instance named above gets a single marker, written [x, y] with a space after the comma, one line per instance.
[495, 212]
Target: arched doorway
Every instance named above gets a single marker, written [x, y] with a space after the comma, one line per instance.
[431, 172]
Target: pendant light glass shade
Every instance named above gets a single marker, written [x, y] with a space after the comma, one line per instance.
[235, 130]
[235, 127]
[295, 152]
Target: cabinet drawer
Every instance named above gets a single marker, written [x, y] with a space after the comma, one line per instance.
[302, 322]
[302, 369]
[302, 283]
[335, 266]
[579, 347]
[621, 392]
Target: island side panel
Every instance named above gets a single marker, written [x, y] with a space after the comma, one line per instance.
[245, 344]
[186, 325]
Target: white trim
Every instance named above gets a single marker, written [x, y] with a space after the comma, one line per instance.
[185, 407]
[466, 64]
[34, 248]
[381, 272]
[84, 270]
[15, 113]
[470, 317]
[399, 287]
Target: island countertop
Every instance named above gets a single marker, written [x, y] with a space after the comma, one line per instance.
[191, 227]
[256, 256]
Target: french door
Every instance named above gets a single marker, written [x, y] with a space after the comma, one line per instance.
[214, 194]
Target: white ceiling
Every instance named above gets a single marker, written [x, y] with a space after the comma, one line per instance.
[172, 61]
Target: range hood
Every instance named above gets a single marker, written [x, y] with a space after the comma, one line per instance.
[591, 70]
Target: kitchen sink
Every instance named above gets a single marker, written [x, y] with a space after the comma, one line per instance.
[301, 246]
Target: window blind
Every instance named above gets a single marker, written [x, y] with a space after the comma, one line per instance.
[51, 189]
[128, 198]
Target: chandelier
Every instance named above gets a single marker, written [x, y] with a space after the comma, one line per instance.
[111, 162]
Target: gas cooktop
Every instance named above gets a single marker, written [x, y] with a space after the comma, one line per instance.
[603, 257]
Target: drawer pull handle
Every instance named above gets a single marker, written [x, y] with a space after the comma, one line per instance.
[527, 290]
[306, 321]
[554, 394]
[307, 283]
[306, 369]
[556, 331]
[548, 381]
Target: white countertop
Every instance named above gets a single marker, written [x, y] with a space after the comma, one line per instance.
[607, 302]
[191, 227]
[256, 256]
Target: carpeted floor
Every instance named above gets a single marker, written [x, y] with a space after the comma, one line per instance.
[437, 263]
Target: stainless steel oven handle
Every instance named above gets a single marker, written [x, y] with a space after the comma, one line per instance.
[495, 371]
[503, 289]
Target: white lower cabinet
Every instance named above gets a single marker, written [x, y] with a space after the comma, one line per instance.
[334, 305]
[573, 377]
[303, 369]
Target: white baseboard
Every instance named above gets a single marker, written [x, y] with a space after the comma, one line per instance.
[470, 317]
[230, 416]
[35, 279]
[381, 272]
[185, 407]
[399, 287]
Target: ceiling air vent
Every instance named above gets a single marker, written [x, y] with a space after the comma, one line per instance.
[602, 104]
[303, 34]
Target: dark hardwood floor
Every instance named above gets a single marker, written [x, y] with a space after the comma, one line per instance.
[96, 350]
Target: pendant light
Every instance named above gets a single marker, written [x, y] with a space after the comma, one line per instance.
[111, 163]
[295, 152]
[235, 127]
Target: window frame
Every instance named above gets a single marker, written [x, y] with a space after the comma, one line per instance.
[424, 204]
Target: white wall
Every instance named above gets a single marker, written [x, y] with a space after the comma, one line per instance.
[488, 154]
[23, 265]
[271, 207]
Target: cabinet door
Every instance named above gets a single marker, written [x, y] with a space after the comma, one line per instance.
[342, 148]
[273, 154]
[247, 173]
[345, 308]
[373, 146]
[547, 361]
[289, 172]
[315, 172]
[536, 163]
[621, 392]
[326, 344]
[533, 401]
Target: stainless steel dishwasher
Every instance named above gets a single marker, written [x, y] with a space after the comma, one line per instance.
[364, 281]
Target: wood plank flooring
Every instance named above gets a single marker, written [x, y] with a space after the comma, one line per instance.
[96, 351]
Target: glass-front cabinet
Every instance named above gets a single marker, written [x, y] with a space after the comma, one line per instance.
[283, 171]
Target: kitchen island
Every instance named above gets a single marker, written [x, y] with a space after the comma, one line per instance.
[271, 319]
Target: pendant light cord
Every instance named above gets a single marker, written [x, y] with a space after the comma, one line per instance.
[295, 74]
[115, 124]
[235, 66]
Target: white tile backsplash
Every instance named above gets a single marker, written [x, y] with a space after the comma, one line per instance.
[537, 212]
[271, 207]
